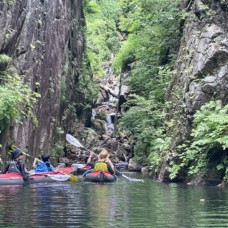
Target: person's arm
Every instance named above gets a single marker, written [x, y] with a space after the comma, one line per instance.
[21, 167]
[111, 168]
[90, 157]
[52, 168]
[34, 162]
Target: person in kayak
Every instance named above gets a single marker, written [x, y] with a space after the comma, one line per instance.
[44, 166]
[16, 165]
[103, 163]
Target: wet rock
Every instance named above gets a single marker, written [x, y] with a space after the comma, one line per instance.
[146, 171]
[99, 126]
[134, 166]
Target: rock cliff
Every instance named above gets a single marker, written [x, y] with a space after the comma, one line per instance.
[201, 69]
[45, 40]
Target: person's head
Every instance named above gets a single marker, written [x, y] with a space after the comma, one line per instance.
[17, 154]
[45, 157]
[103, 155]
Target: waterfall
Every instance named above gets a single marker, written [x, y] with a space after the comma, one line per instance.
[93, 114]
[110, 125]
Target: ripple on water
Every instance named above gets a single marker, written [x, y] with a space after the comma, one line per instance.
[119, 204]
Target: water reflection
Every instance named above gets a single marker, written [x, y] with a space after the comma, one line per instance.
[118, 204]
[7, 212]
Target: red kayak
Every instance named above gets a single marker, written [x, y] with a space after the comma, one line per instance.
[100, 176]
[81, 168]
[17, 179]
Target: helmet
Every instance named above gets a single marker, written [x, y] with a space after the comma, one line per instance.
[16, 153]
[45, 157]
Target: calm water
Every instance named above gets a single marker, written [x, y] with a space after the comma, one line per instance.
[119, 204]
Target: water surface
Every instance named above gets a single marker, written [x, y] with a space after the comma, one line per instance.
[118, 204]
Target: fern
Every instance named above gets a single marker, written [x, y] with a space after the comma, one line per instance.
[209, 134]
[4, 58]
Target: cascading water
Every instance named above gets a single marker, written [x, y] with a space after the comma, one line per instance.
[110, 124]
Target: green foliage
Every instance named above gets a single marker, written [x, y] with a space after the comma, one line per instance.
[4, 58]
[86, 87]
[148, 53]
[143, 124]
[57, 149]
[210, 141]
[16, 99]
[10, 3]
[101, 35]
[125, 55]
[152, 41]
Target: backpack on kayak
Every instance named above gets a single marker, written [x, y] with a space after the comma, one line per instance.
[101, 166]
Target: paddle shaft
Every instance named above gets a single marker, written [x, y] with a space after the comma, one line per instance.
[31, 156]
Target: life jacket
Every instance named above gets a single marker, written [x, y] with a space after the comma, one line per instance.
[43, 167]
[101, 166]
[13, 168]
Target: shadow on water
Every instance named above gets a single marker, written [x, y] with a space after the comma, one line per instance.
[119, 204]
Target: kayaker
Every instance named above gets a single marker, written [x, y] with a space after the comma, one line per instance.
[44, 166]
[103, 163]
[17, 165]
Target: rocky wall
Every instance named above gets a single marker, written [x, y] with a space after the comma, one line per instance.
[201, 70]
[42, 37]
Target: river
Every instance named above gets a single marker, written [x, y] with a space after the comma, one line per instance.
[119, 204]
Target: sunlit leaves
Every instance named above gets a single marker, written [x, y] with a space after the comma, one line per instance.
[152, 28]
[101, 32]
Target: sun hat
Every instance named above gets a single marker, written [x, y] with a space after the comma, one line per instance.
[16, 153]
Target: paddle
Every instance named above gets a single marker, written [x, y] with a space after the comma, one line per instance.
[73, 141]
[71, 177]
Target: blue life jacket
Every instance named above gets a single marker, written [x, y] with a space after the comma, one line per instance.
[13, 168]
[44, 167]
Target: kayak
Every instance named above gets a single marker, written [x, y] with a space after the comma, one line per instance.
[99, 176]
[81, 168]
[121, 165]
[17, 179]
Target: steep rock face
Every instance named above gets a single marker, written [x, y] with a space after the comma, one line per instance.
[201, 70]
[42, 37]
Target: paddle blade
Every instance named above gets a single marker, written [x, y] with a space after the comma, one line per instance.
[59, 177]
[70, 139]
[72, 177]
[132, 179]
[128, 178]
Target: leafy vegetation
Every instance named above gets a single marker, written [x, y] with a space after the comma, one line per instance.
[16, 98]
[149, 34]
[10, 3]
[210, 140]
[58, 146]
[101, 33]
[4, 58]
[86, 88]
[148, 54]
